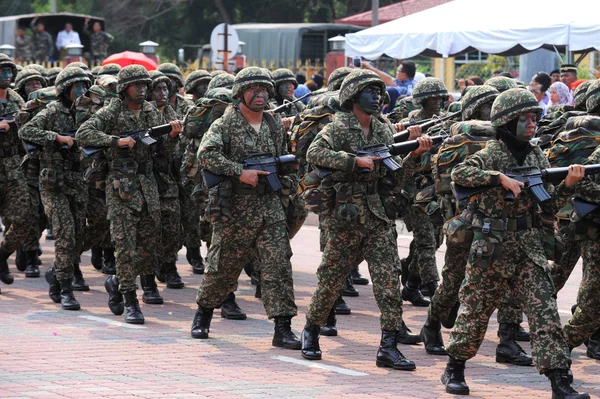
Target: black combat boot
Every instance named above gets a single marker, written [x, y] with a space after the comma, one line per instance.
[132, 308]
[151, 295]
[54, 289]
[310, 342]
[201, 323]
[329, 329]
[411, 292]
[522, 335]
[231, 310]
[593, 346]
[115, 298]
[358, 278]
[32, 269]
[21, 259]
[431, 334]
[452, 316]
[405, 337]
[454, 377]
[258, 292]
[404, 264]
[97, 258]
[561, 387]
[67, 299]
[341, 307]
[172, 277]
[283, 336]
[5, 275]
[50, 235]
[194, 258]
[508, 351]
[348, 289]
[431, 288]
[388, 354]
[79, 283]
[110, 263]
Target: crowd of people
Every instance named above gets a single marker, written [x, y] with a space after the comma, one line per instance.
[134, 165]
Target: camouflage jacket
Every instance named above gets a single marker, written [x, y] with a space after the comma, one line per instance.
[292, 110]
[162, 159]
[10, 144]
[23, 48]
[336, 145]
[485, 167]
[99, 43]
[43, 45]
[181, 105]
[589, 188]
[227, 143]
[103, 130]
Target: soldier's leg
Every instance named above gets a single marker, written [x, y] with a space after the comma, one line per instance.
[341, 308]
[192, 207]
[78, 205]
[453, 274]
[425, 244]
[17, 208]
[123, 229]
[562, 269]
[510, 316]
[170, 223]
[39, 222]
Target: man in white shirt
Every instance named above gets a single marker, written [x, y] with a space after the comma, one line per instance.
[66, 37]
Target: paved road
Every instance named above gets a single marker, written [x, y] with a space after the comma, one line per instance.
[51, 353]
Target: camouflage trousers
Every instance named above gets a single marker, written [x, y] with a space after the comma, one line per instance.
[377, 244]
[585, 321]
[190, 217]
[136, 236]
[170, 224]
[15, 210]
[425, 237]
[97, 229]
[232, 245]
[561, 270]
[531, 286]
[296, 214]
[39, 220]
[67, 217]
[453, 274]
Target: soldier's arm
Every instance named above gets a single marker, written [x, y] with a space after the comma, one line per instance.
[321, 152]
[589, 188]
[91, 132]
[108, 36]
[476, 171]
[36, 130]
[168, 143]
[211, 154]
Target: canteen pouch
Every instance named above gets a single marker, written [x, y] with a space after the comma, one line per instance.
[51, 170]
[488, 234]
[350, 204]
[387, 186]
[318, 194]
[458, 230]
[220, 198]
[124, 178]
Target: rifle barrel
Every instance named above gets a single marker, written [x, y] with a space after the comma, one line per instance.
[402, 136]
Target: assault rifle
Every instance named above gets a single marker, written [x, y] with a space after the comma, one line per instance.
[402, 136]
[533, 178]
[148, 136]
[259, 161]
[9, 116]
[287, 103]
[30, 146]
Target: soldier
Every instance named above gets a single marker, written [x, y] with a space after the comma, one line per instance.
[43, 45]
[99, 41]
[507, 252]
[501, 83]
[197, 83]
[285, 83]
[85, 69]
[177, 101]
[23, 46]
[224, 80]
[61, 184]
[28, 81]
[132, 202]
[359, 224]
[52, 74]
[253, 220]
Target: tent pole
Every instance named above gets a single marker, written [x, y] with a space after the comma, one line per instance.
[443, 70]
[374, 12]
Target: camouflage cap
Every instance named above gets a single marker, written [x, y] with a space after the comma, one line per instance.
[512, 103]
[284, 75]
[221, 80]
[592, 95]
[158, 77]
[475, 98]
[52, 74]
[354, 82]
[580, 95]
[172, 71]
[195, 78]
[43, 71]
[132, 74]
[220, 93]
[252, 76]
[334, 82]
[27, 75]
[5, 60]
[501, 83]
[429, 88]
[70, 75]
[110, 69]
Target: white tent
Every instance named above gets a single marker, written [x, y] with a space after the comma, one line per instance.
[508, 27]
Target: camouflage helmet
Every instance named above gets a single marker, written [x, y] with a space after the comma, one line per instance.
[83, 66]
[284, 75]
[252, 76]
[334, 82]
[27, 75]
[195, 78]
[475, 98]
[46, 94]
[68, 76]
[221, 80]
[592, 95]
[108, 84]
[158, 77]
[96, 69]
[512, 103]
[132, 74]
[220, 93]
[429, 88]
[43, 71]
[520, 84]
[52, 74]
[580, 95]
[355, 82]
[19, 68]
[172, 71]
[5, 60]
[217, 72]
[110, 69]
[501, 83]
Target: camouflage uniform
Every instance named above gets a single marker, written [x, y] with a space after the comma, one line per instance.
[99, 42]
[177, 101]
[25, 76]
[43, 46]
[283, 75]
[24, 48]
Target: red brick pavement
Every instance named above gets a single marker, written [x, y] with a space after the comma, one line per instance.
[51, 353]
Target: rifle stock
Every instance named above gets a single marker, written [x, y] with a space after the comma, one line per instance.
[403, 136]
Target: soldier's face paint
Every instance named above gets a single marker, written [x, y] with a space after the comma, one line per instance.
[286, 90]
[160, 94]
[484, 112]
[32, 86]
[256, 98]
[369, 99]
[77, 90]
[526, 127]
[200, 90]
[136, 93]
[432, 106]
[6, 75]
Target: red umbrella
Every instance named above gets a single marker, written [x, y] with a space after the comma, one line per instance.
[131, 58]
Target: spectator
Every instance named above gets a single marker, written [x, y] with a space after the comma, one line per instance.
[99, 41]
[23, 46]
[318, 80]
[497, 72]
[419, 76]
[568, 74]
[560, 94]
[312, 86]
[302, 89]
[66, 37]
[42, 42]
[477, 81]
[539, 85]
[506, 75]
[555, 75]
[405, 75]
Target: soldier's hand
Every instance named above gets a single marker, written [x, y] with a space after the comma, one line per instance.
[250, 176]
[425, 144]
[399, 127]
[511, 184]
[287, 122]
[4, 126]
[69, 141]
[176, 128]
[414, 132]
[576, 173]
[126, 142]
[366, 162]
